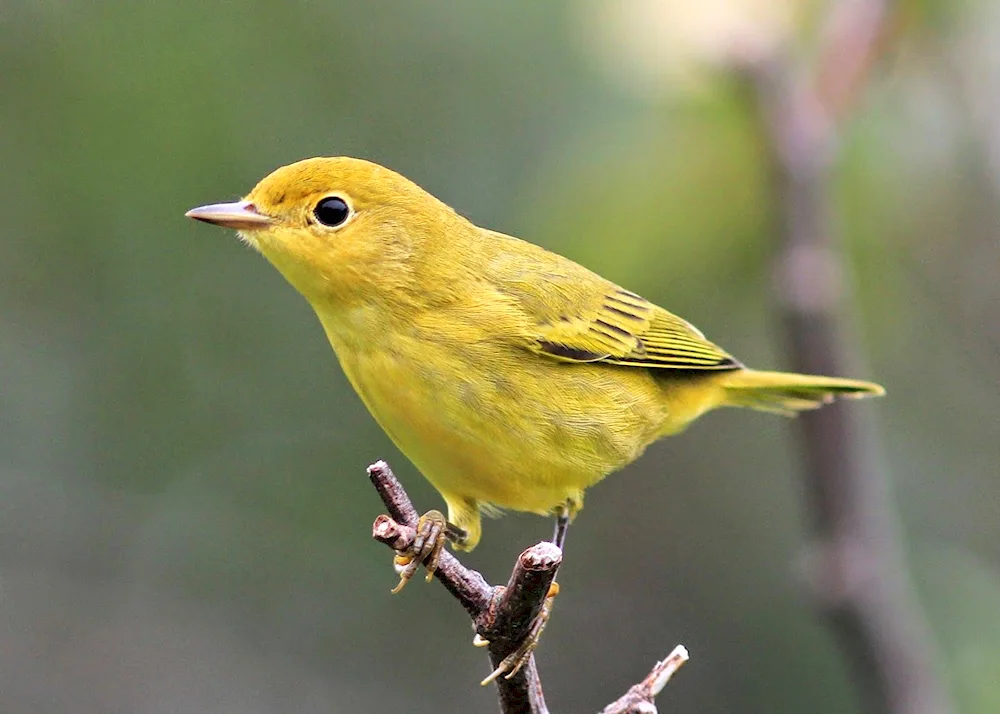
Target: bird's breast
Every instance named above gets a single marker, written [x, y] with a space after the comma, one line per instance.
[489, 421]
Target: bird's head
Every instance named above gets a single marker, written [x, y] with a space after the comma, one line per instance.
[339, 229]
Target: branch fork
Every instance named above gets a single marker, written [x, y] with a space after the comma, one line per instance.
[503, 616]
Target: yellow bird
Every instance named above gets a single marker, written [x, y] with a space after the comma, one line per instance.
[512, 377]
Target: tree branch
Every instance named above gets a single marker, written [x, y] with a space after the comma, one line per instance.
[857, 572]
[503, 616]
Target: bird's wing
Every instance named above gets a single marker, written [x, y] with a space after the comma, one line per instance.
[575, 315]
[625, 329]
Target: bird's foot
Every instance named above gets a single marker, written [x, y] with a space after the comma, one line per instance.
[519, 657]
[433, 530]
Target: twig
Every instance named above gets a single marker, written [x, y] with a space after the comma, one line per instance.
[640, 698]
[503, 616]
[393, 495]
[858, 575]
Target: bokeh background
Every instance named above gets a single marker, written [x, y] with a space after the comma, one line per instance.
[184, 512]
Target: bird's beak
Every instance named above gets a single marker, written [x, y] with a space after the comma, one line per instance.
[242, 216]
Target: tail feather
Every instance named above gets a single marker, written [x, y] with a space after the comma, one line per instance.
[787, 393]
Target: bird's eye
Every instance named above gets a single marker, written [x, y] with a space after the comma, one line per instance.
[332, 211]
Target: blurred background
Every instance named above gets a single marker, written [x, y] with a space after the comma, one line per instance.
[184, 511]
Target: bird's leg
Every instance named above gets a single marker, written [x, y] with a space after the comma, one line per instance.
[432, 533]
[562, 527]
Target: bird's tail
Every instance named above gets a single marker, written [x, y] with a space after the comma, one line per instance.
[787, 393]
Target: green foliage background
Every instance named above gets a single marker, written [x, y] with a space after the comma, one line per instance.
[184, 511]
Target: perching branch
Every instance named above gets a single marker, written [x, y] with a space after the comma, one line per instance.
[857, 572]
[503, 616]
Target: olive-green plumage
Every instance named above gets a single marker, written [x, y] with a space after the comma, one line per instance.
[512, 377]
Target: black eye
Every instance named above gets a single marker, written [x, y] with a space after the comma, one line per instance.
[332, 211]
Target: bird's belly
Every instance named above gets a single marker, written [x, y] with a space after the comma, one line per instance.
[507, 428]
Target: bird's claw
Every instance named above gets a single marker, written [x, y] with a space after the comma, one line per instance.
[432, 532]
[514, 661]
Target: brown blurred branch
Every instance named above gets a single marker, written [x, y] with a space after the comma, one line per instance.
[504, 615]
[857, 571]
